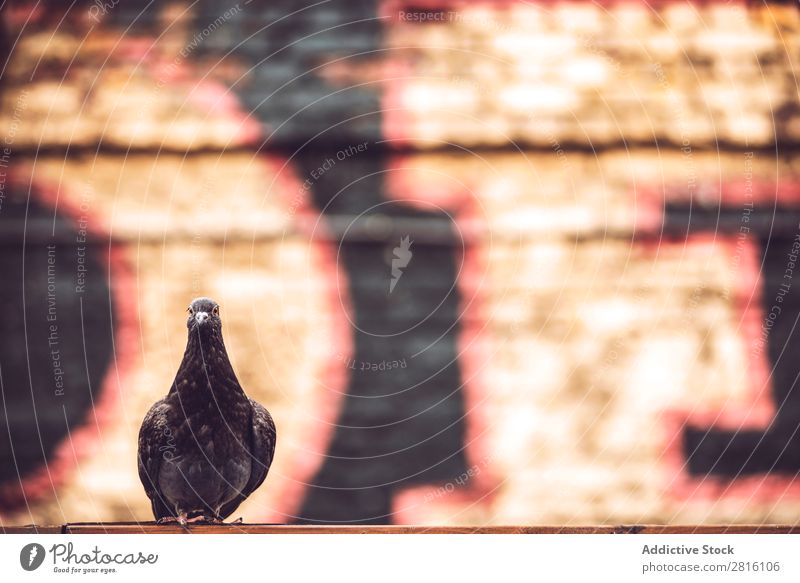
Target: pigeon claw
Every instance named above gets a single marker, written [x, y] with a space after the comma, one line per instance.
[168, 520]
[203, 519]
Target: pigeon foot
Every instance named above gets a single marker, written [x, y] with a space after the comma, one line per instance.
[202, 519]
[180, 519]
[167, 520]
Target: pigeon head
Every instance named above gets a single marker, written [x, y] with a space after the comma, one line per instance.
[203, 315]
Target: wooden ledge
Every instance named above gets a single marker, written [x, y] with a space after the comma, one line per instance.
[152, 528]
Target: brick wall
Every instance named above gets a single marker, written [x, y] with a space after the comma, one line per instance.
[596, 320]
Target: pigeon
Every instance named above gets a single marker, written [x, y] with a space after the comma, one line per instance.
[206, 446]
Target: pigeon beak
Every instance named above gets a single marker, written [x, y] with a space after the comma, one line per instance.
[201, 317]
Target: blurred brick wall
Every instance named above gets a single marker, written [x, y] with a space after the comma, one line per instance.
[603, 207]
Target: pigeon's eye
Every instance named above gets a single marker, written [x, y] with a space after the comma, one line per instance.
[215, 311]
[190, 310]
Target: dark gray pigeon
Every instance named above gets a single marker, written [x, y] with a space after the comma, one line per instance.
[206, 446]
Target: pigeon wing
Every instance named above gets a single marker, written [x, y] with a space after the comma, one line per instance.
[261, 450]
[153, 438]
